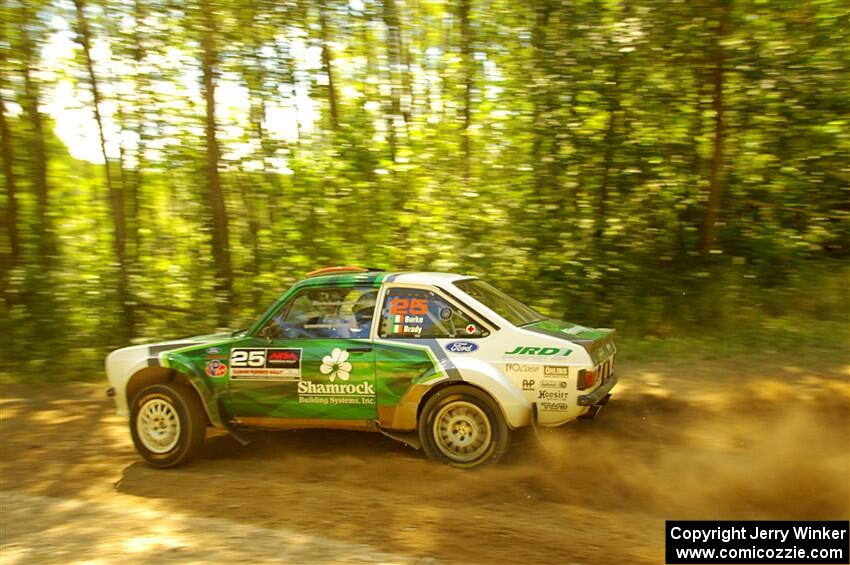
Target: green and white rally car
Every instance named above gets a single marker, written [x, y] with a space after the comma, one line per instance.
[442, 361]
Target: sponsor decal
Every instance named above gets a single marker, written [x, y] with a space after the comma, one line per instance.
[554, 406]
[215, 368]
[283, 358]
[213, 350]
[337, 368]
[400, 324]
[553, 384]
[552, 395]
[519, 368]
[336, 389]
[522, 350]
[551, 371]
[575, 330]
[310, 392]
[470, 329]
[528, 384]
[336, 365]
[461, 347]
[333, 394]
[267, 364]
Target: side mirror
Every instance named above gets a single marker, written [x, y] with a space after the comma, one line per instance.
[269, 332]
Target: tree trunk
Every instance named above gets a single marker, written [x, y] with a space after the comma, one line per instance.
[398, 66]
[468, 77]
[541, 101]
[38, 150]
[610, 147]
[715, 175]
[115, 193]
[219, 225]
[10, 218]
[327, 65]
[134, 187]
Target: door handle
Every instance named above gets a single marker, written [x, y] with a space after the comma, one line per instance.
[359, 349]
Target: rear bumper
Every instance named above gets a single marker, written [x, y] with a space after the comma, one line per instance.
[599, 394]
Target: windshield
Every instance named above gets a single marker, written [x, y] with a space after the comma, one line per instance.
[509, 308]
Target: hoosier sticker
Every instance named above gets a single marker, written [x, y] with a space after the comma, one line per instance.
[266, 364]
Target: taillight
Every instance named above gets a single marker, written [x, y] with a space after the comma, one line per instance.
[586, 379]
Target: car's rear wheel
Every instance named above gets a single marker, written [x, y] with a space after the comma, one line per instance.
[463, 427]
[168, 424]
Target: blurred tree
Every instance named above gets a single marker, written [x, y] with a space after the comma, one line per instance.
[10, 217]
[621, 163]
[715, 180]
[115, 192]
[219, 227]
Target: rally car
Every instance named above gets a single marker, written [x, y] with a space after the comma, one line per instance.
[441, 361]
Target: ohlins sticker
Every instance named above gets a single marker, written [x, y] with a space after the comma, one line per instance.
[266, 364]
[522, 350]
[550, 371]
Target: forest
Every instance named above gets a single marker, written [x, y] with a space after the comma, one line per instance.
[169, 167]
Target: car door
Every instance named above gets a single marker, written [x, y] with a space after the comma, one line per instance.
[415, 321]
[316, 364]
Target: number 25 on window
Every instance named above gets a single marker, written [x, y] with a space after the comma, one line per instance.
[415, 306]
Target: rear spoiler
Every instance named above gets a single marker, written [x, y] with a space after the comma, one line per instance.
[599, 343]
[599, 348]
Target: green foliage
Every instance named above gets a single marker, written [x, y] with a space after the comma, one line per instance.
[562, 150]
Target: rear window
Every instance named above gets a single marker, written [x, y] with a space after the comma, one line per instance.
[505, 306]
[420, 313]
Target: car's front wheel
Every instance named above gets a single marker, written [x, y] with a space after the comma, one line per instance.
[168, 424]
[463, 427]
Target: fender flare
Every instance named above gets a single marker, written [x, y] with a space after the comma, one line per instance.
[198, 382]
[516, 409]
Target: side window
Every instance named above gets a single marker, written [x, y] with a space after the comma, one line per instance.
[419, 313]
[326, 313]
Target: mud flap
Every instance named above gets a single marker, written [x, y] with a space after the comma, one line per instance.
[594, 409]
[534, 421]
[225, 423]
[410, 439]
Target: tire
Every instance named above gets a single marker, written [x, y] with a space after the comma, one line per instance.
[168, 424]
[463, 427]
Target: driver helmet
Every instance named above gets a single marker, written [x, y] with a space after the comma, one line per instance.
[364, 308]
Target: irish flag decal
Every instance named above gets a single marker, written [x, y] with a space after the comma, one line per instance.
[397, 324]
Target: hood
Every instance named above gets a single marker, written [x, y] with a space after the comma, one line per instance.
[599, 342]
[157, 348]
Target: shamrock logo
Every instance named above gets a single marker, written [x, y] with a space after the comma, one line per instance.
[336, 364]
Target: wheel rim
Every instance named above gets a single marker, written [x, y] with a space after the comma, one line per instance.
[158, 425]
[462, 431]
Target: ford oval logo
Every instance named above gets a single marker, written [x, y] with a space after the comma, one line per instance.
[461, 347]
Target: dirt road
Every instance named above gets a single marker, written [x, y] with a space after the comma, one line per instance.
[740, 438]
